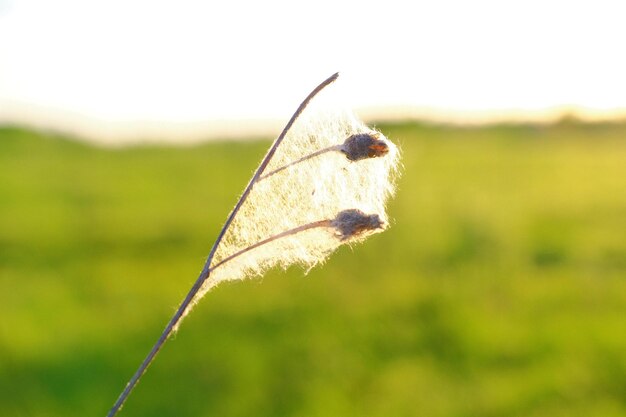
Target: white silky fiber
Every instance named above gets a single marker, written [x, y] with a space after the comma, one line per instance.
[313, 181]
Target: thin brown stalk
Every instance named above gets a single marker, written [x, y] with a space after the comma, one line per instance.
[204, 274]
[290, 232]
[304, 158]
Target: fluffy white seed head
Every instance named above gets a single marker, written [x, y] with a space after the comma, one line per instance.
[312, 178]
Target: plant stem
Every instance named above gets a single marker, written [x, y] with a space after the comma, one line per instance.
[204, 274]
[319, 223]
[304, 158]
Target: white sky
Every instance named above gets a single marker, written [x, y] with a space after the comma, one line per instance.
[118, 68]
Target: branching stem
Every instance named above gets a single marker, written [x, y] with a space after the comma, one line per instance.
[304, 158]
[206, 270]
[290, 232]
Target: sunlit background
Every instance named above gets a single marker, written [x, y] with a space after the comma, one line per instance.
[499, 290]
[120, 70]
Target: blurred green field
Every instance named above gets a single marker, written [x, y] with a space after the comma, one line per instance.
[500, 290]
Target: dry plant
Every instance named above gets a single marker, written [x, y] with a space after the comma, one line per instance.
[323, 183]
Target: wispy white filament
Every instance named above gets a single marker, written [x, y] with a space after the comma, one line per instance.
[310, 190]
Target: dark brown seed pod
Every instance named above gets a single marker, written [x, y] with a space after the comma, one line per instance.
[353, 223]
[363, 146]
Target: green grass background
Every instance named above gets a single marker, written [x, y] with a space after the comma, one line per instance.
[500, 290]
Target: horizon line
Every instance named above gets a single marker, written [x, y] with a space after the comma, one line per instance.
[119, 133]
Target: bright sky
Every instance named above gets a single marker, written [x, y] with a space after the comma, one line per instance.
[118, 68]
